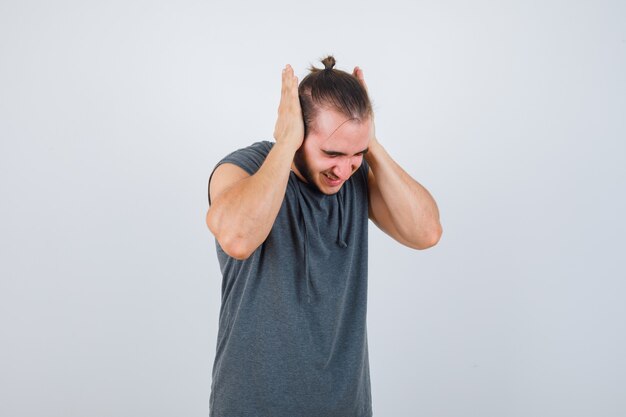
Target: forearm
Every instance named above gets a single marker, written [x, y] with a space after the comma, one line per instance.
[242, 216]
[411, 208]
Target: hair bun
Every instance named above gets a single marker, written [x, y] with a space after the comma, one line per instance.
[329, 62]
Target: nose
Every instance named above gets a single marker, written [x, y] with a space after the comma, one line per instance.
[344, 169]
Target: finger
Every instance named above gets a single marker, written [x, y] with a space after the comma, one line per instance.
[358, 73]
[291, 81]
[287, 72]
[294, 88]
[283, 85]
[284, 88]
[292, 77]
[287, 77]
[289, 90]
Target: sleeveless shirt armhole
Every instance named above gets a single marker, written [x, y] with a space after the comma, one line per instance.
[249, 159]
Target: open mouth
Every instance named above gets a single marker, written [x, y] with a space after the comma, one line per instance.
[331, 180]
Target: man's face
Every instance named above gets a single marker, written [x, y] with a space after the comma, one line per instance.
[332, 151]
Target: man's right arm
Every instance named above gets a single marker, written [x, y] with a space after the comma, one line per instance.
[244, 207]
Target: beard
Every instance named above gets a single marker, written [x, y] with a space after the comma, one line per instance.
[303, 168]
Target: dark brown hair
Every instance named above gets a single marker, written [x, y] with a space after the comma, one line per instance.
[332, 89]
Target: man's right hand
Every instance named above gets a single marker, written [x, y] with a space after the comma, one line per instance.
[289, 129]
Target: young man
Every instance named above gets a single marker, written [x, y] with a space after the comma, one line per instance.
[290, 220]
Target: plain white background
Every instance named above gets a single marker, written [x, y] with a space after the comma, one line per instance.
[512, 114]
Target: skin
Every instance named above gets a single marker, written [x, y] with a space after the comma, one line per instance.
[333, 151]
[244, 207]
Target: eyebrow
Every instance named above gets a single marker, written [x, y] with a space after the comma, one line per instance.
[335, 153]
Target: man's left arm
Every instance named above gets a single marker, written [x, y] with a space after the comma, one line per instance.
[398, 204]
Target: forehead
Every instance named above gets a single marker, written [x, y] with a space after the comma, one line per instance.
[338, 132]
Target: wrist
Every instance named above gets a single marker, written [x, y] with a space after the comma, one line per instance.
[374, 150]
[287, 146]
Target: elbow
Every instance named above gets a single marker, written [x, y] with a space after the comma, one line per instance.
[211, 222]
[435, 235]
[430, 239]
[235, 248]
[233, 245]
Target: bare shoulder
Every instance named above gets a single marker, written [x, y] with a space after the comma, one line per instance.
[223, 178]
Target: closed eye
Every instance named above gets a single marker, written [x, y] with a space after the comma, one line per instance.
[333, 154]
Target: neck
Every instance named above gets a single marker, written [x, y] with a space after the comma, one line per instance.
[296, 171]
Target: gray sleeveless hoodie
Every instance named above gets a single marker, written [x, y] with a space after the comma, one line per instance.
[292, 338]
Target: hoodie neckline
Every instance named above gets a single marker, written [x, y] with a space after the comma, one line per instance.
[341, 228]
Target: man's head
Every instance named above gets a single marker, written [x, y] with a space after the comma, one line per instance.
[337, 124]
